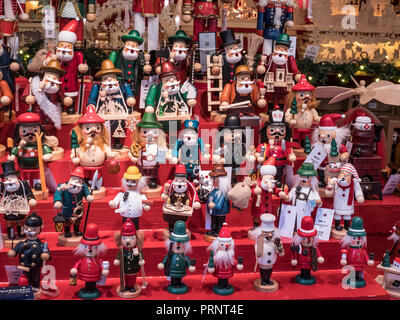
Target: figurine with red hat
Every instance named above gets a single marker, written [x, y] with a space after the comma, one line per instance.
[171, 99]
[305, 251]
[25, 149]
[344, 189]
[94, 146]
[265, 189]
[180, 198]
[301, 113]
[90, 267]
[328, 130]
[130, 261]
[69, 199]
[222, 261]
[274, 135]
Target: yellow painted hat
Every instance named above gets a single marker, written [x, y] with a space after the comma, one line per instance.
[132, 173]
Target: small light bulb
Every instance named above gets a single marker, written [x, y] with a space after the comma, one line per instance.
[339, 75]
[377, 79]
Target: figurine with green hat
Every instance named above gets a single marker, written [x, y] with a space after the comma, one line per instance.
[131, 60]
[304, 194]
[354, 253]
[179, 53]
[149, 147]
[176, 262]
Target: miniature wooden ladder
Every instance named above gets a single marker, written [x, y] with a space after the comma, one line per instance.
[211, 82]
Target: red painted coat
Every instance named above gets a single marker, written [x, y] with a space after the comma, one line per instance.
[89, 269]
[357, 257]
[148, 8]
[265, 203]
[304, 261]
[70, 79]
[276, 151]
[222, 272]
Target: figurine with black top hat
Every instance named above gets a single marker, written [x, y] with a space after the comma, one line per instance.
[232, 56]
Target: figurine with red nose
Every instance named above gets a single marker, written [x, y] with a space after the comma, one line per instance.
[222, 261]
[305, 251]
[354, 252]
[90, 267]
[130, 260]
[179, 54]
[344, 189]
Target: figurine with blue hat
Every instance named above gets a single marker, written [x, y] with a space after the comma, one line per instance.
[189, 148]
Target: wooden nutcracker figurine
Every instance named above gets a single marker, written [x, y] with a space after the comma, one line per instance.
[190, 149]
[131, 202]
[180, 198]
[179, 54]
[32, 253]
[69, 199]
[45, 96]
[232, 56]
[242, 95]
[177, 261]
[90, 267]
[130, 261]
[149, 147]
[274, 135]
[93, 148]
[395, 250]
[16, 199]
[305, 251]
[344, 189]
[354, 252]
[222, 261]
[71, 62]
[267, 246]
[272, 18]
[323, 136]
[301, 113]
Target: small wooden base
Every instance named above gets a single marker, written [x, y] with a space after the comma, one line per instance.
[165, 233]
[209, 238]
[58, 154]
[69, 118]
[121, 153]
[268, 288]
[72, 241]
[394, 292]
[152, 193]
[250, 121]
[7, 242]
[40, 195]
[217, 117]
[2, 150]
[99, 194]
[127, 294]
[169, 209]
[339, 235]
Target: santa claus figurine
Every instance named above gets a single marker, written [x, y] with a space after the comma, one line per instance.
[71, 61]
[268, 245]
[232, 56]
[222, 261]
[354, 253]
[323, 136]
[271, 20]
[90, 267]
[305, 251]
[344, 189]
[243, 92]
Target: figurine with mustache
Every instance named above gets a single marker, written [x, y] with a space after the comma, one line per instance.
[232, 56]
[180, 54]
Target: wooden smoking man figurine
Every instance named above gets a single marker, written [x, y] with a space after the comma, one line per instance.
[16, 199]
[344, 189]
[130, 261]
[395, 250]
[354, 252]
[179, 54]
[222, 261]
[90, 267]
[268, 245]
[69, 199]
[32, 253]
[305, 251]
[176, 262]
[131, 202]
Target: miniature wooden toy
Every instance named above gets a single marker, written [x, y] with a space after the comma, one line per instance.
[222, 261]
[16, 200]
[332, 170]
[69, 199]
[305, 251]
[32, 253]
[179, 54]
[267, 245]
[131, 202]
[130, 261]
[395, 250]
[232, 56]
[354, 252]
[90, 267]
[176, 262]
[344, 189]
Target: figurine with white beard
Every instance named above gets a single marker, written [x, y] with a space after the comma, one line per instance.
[179, 54]
[344, 189]
[222, 261]
[16, 199]
[45, 97]
[232, 56]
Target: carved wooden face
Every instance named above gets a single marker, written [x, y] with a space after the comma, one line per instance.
[276, 132]
[27, 132]
[51, 82]
[303, 96]
[65, 51]
[128, 241]
[131, 50]
[171, 84]
[326, 136]
[344, 178]
[307, 242]
[91, 130]
[149, 135]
